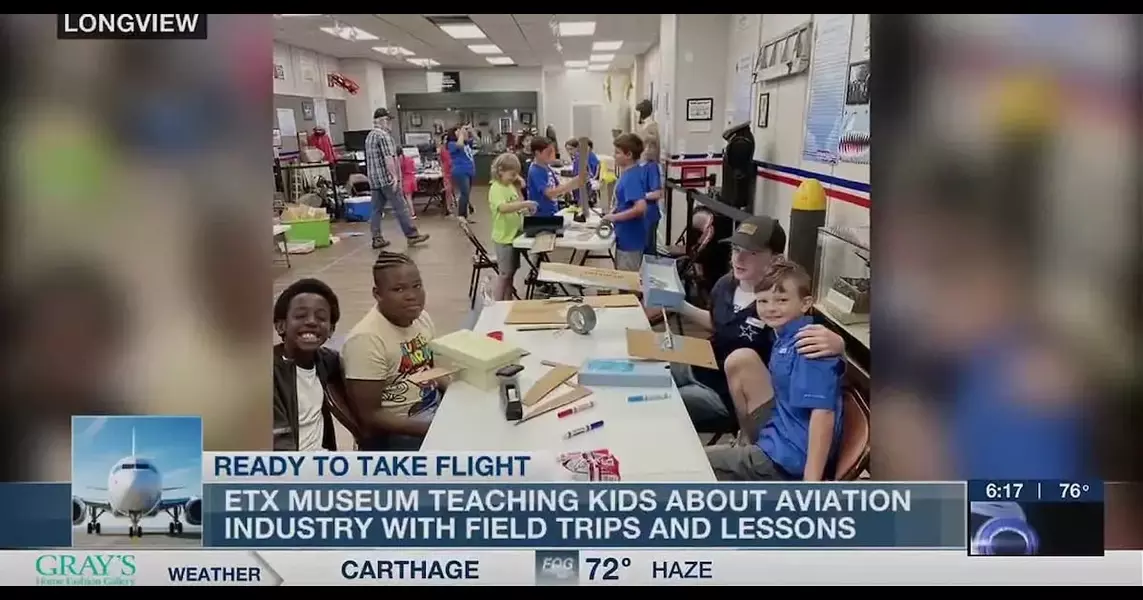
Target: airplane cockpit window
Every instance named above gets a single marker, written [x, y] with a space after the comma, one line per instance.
[135, 466]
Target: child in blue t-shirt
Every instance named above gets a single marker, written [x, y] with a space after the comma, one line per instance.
[572, 146]
[460, 149]
[653, 181]
[630, 206]
[800, 438]
[544, 187]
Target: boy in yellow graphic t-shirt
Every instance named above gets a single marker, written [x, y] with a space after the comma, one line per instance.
[390, 343]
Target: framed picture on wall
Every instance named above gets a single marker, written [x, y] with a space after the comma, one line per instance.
[700, 109]
[307, 111]
[763, 110]
[526, 118]
[415, 119]
[332, 118]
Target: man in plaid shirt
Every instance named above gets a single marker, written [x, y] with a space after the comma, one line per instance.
[384, 167]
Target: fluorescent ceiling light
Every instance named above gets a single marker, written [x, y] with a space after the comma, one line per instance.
[351, 34]
[463, 32]
[601, 58]
[486, 49]
[577, 70]
[606, 46]
[500, 60]
[299, 15]
[578, 28]
[598, 67]
[394, 50]
[424, 62]
[575, 64]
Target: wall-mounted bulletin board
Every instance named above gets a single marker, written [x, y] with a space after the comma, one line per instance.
[829, 79]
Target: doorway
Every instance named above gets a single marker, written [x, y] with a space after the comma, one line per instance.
[587, 120]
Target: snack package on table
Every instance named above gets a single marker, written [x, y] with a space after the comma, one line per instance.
[593, 465]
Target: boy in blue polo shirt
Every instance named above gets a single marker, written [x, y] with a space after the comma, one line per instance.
[629, 210]
[799, 440]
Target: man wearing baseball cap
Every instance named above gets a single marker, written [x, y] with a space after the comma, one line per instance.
[383, 164]
[741, 342]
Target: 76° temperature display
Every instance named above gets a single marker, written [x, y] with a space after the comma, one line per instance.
[1035, 518]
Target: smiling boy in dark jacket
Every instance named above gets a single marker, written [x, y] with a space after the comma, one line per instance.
[309, 385]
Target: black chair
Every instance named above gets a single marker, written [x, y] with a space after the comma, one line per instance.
[718, 428]
[481, 260]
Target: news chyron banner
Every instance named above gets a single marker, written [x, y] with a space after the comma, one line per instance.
[507, 519]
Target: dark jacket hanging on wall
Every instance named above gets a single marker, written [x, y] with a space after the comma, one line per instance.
[327, 363]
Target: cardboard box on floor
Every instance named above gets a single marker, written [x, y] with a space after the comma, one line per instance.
[645, 344]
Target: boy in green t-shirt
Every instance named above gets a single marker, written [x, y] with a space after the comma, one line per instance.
[508, 209]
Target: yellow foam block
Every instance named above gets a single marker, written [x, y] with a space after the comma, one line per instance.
[478, 356]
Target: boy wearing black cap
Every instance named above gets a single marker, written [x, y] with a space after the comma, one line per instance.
[383, 164]
[742, 343]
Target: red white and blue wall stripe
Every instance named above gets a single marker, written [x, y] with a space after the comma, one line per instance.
[838, 188]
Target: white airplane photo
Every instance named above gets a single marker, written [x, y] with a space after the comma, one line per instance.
[135, 492]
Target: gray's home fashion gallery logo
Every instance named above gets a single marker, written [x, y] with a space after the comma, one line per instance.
[557, 567]
[133, 26]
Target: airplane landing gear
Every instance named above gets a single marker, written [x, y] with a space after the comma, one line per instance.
[176, 526]
[93, 526]
[135, 531]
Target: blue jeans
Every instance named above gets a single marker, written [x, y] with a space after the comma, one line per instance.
[388, 194]
[462, 187]
[703, 404]
[652, 246]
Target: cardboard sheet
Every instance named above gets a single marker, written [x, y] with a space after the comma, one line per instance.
[544, 242]
[594, 276]
[644, 343]
[553, 311]
[548, 382]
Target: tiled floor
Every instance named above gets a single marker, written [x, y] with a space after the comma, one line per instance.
[445, 263]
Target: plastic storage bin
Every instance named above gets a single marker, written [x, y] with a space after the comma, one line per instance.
[662, 287]
[619, 372]
[478, 356]
[310, 230]
[358, 208]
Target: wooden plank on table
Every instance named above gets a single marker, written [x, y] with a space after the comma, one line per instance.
[576, 394]
[553, 311]
[542, 327]
[594, 276]
[550, 381]
[421, 378]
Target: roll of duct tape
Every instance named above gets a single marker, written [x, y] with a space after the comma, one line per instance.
[606, 229]
[581, 319]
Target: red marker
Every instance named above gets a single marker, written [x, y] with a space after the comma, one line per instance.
[567, 412]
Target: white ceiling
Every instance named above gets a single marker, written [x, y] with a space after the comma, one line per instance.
[527, 39]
